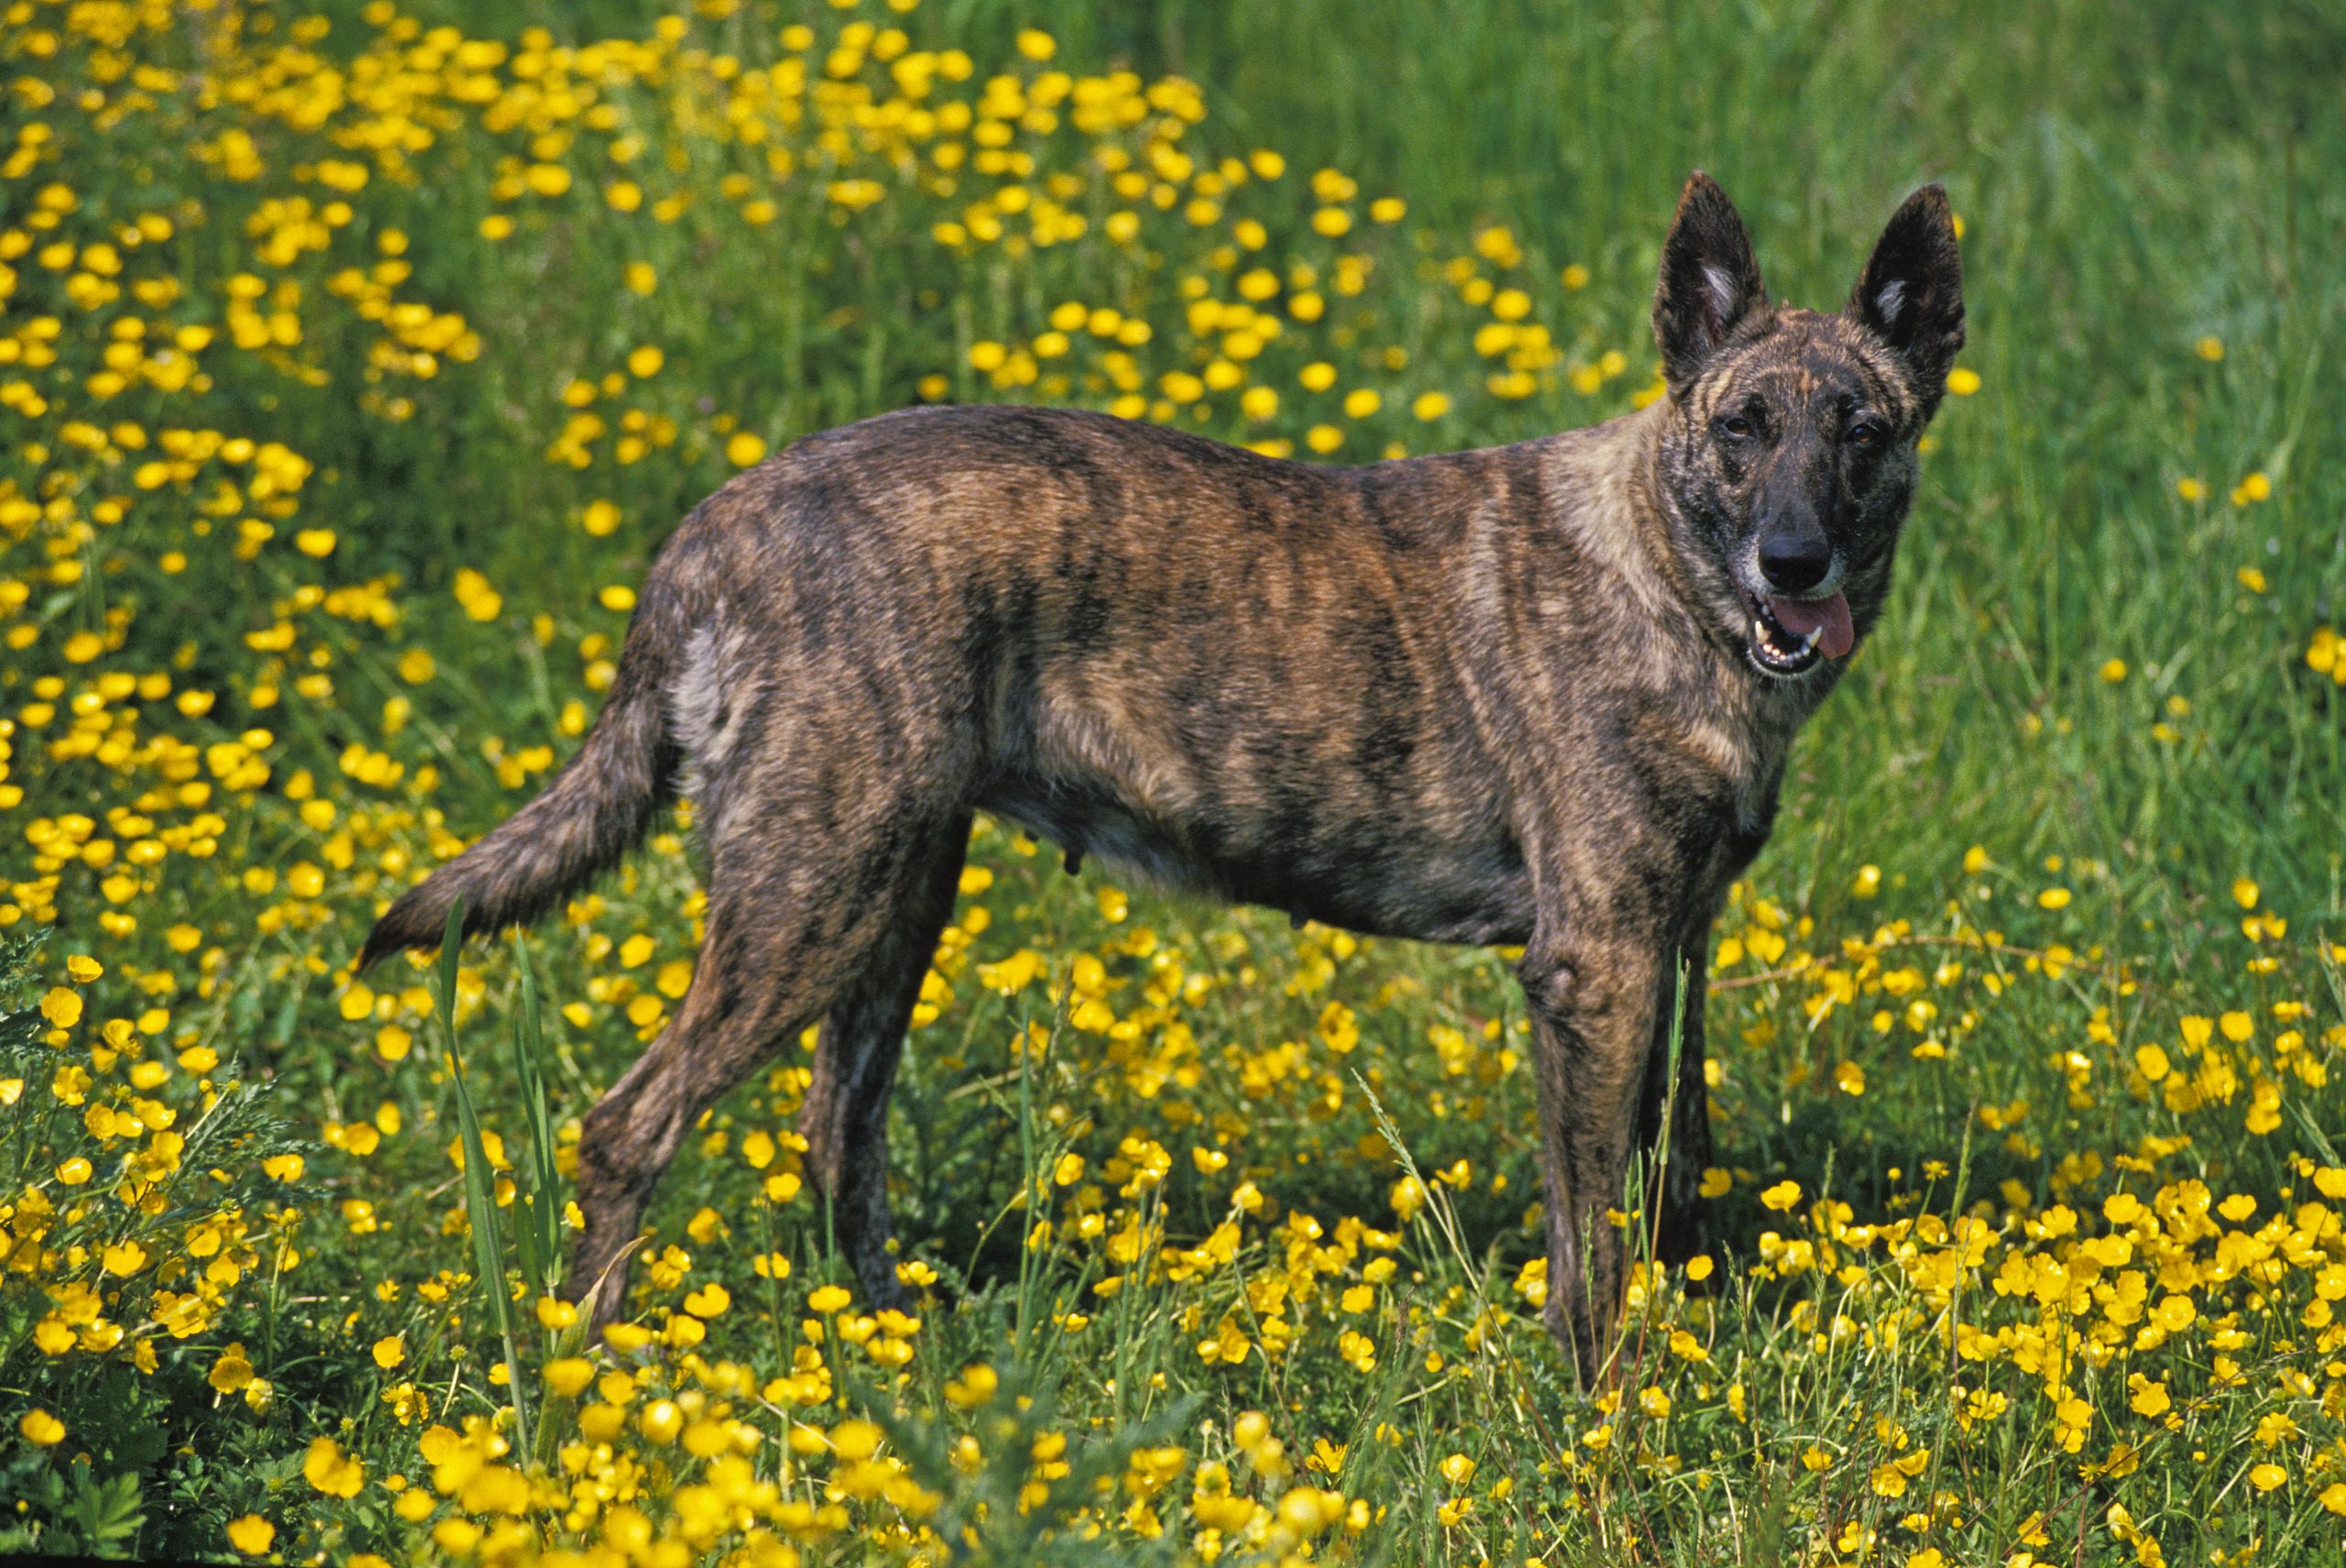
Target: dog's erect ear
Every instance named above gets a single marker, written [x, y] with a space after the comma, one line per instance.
[1710, 281]
[1911, 293]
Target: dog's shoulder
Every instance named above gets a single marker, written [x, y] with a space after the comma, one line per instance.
[1597, 486]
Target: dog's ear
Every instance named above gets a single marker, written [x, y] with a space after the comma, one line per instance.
[1710, 281]
[1911, 293]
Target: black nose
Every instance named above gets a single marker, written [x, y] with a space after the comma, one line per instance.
[1795, 562]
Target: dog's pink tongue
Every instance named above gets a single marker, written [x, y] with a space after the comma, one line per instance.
[1829, 617]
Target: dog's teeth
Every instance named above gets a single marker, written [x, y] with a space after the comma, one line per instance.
[1758, 629]
[1809, 642]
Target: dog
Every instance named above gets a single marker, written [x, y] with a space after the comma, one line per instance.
[1537, 696]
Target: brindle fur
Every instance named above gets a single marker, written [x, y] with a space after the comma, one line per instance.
[1499, 696]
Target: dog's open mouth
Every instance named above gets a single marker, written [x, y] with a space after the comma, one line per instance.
[1789, 636]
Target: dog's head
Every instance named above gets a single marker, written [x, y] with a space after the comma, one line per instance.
[1787, 458]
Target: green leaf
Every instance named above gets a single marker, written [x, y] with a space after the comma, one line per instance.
[107, 1513]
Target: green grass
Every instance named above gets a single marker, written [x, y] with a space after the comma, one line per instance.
[2132, 182]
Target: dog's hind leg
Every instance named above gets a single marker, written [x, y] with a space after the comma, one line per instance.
[789, 939]
[845, 1118]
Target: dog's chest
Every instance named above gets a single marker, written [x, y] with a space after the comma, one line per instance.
[1714, 770]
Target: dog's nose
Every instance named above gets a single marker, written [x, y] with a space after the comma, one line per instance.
[1795, 561]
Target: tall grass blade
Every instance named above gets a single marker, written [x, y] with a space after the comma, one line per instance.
[480, 1181]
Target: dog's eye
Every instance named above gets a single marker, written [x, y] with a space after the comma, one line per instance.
[1865, 434]
[1736, 426]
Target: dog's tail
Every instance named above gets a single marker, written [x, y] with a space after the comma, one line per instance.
[595, 809]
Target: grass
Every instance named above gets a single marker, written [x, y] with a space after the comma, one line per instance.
[318, 506]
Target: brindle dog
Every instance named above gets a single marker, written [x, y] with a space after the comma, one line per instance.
[1537, 695]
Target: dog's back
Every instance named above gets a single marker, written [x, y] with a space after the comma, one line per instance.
[1226, 672]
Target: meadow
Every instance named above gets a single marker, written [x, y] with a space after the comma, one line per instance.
[354, 360]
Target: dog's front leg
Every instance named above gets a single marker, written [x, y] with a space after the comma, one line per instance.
[1683, 1228]
[1591, 994]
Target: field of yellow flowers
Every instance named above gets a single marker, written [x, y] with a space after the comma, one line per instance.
[354, 361]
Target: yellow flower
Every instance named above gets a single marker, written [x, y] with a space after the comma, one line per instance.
[41, 1428]
[661, 1422]
[1962, 381]
[390, 1351]
[744, 449]
[2268, 1476]
[2054, 898]
[251, 1535]
[331, 1471]
[569, 1376]
[480, 601]
[2113, 671]
[830, 1298]
[2210, 348]
[1036, 44]
[232, 1372]
[1781, 1197]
